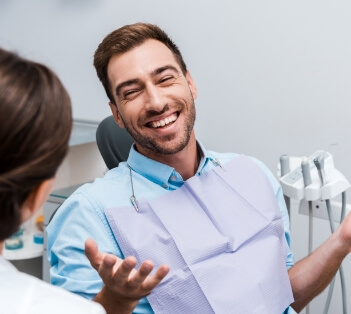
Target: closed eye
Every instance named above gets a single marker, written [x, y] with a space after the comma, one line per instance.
[166, 79]
[130, 94]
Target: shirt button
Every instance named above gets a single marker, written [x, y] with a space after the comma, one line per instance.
[165, 185]
[173, 178]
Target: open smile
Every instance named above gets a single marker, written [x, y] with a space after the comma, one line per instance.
[163, 122]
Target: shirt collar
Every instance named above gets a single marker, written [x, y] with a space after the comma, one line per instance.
[159, 172]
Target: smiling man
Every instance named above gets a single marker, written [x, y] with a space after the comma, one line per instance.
[154, 101]
[214, 225]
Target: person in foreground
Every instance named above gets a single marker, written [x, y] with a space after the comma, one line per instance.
[214, 224]
[35, 126]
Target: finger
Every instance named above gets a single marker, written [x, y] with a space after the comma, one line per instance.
[141, 274]
[92, 253]
[108, 267]
[124, 271]
[152, 281]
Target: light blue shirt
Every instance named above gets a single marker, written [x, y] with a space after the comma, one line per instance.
[82, 216]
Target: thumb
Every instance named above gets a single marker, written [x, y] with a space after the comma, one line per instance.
[92, 253]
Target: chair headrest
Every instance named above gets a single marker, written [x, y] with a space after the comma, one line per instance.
[114, 143]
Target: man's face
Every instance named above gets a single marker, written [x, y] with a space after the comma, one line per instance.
[155, 101]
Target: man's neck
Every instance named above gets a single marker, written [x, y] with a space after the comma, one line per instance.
[185, 162]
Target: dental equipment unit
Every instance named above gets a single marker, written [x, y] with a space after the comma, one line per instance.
[312, 179]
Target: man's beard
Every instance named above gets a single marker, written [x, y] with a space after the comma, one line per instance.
[161, 148]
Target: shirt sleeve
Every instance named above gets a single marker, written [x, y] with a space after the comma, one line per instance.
[75, 221]
[81, 217]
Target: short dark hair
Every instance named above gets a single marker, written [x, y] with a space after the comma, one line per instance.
[125, 39]
[35, 127]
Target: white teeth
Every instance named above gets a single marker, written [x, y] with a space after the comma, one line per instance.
[165, 121]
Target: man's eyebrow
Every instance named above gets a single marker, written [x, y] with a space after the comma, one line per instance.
[164, 68]
[124, 84]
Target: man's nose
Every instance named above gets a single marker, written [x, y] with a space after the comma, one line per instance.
[155, 98]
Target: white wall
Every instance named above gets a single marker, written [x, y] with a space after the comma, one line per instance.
[274, 76]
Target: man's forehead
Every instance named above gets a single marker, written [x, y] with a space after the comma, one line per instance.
[141, 60]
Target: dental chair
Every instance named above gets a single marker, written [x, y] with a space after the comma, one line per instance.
[114, 143]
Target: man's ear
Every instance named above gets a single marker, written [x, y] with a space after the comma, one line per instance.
[191, 84]
[116, 115]
[36, 198]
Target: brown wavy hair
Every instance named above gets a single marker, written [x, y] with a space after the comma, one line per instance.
[124, 39]
[35, 127]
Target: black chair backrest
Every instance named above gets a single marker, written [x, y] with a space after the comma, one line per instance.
[114, 143]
